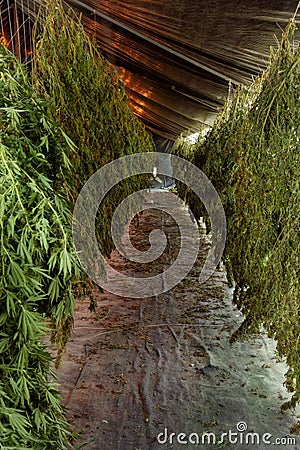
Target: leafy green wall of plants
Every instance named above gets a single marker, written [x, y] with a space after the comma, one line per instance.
[252, 156]
[89, 101]
[38, 266]
[58, 125]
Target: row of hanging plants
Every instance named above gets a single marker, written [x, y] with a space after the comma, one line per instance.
[252, 156]
[38, 269]
[89, 101]
[59, 124]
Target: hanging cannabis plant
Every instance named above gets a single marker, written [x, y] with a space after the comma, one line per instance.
[252, 156]
[88, 99]
[38, 266]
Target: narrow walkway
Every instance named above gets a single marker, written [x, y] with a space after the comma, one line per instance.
[141, 367]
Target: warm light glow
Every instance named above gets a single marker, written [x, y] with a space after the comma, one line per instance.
[133, 87]
[137, 109]
[128, 82]
[4, 40]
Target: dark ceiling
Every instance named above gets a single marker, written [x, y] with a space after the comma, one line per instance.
[177, 58]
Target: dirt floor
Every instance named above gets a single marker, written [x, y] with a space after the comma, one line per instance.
[138, 373]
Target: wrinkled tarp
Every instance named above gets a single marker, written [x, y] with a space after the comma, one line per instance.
[138, 369]
[177, 58]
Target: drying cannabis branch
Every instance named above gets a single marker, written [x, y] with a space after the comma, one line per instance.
[38, 263]
[88, 99]
[252, 156]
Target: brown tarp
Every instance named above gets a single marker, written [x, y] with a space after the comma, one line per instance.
[138, 370]
[177, 58]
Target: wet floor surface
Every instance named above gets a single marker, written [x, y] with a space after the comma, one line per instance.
[159, 373]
